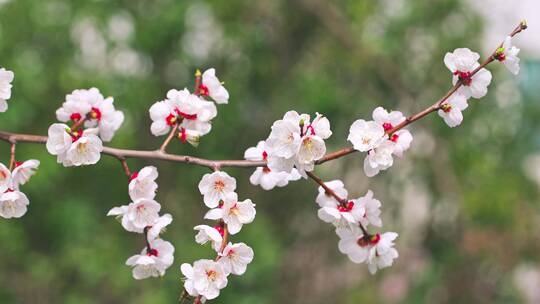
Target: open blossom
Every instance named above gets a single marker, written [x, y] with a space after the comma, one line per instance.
[205, 278]
[211, 86]
[233, 212]
[451, 109]
[326, 200]
[342, 217]
[192, 114]
[462, 62]
[143, 183]
[365, 135]
[13, 204]
[85, 150]
[209, 234]
[23, 171]
[59, 139]
[387, 120]
[158, 227]
[235, 258]
[508, 55]
[402, 140]
[137, 215]
[383, 253]
[6, 77]
[152, 262]
[264, 176]
[215, 187]
[98, 111]
[380, 158]
[377, 250]
[372, 208]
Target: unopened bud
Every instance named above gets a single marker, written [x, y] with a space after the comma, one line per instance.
[198, 73]
[523, 24]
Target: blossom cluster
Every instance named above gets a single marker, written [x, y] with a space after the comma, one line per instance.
[205, 278]
[13, 202]
[142, 216]
[190, 113]
[94, 120]
[351, 219]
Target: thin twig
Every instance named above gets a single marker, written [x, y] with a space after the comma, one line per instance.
[125, 167]
[12, 157]
[169, 138]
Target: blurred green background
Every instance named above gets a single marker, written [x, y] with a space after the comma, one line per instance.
[465, 201]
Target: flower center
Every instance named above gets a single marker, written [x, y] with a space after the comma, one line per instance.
[220, 230]
[75, 135]
[75, 117]
[465, 77]
[366, 140]
[219, 185]
[446, 108]
[394, 137]
[348, 207]
[370, 240]
[95, 113]
[234, 210]
[308, 143]
[82, 147]
[212, 275]
[185, 115]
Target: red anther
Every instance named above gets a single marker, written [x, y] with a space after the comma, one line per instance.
[152, 252]
[265, 155]
[394, 137]
[203, 90]
[134, 175]
[465, 77]
[387, 126]
[185, 115]
[220, 230]
[75, 117]
[95, 113]
[171, 119]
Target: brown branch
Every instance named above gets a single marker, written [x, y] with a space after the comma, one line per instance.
[12, 156]
[125, 167]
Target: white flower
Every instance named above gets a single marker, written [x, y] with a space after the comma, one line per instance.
[365, 135]
[342, 217]
[142, 184]
[13, 204]
[268, 179]
[78, 105]
[383, 253]
[508, 55]
[353, 244]
[327, 200]
[163, 117]
[451, 109]
[205, 278]
[462, 62]
[215, 187]
[59, 139]
[159, 226]
[152, 262]
[284, 139]
[212, 86]
[86, 150]
[137, 215]
[372, 209]
[5, 178]
[403, 139]
[234, 213]
[104, 116]
[6, 77]
[380, 158]
[235, 258]
[312, 148]
[387, 120]
[209, 234]
[23, 171]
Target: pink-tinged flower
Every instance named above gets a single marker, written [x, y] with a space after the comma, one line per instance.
[462, 62]
[6, 77]
[342, 217]
[383, 253]
[206, 234]
[85, 150]
[159, 226]
[508, 55]
[235, 258]
[152, 262]
[211, 86]
[380, 158]
[387, 120]
[451, 109]
[13, 204]
[205, 278]
[372, 209]
[137, 215]
[143, 183]
[215, 187]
